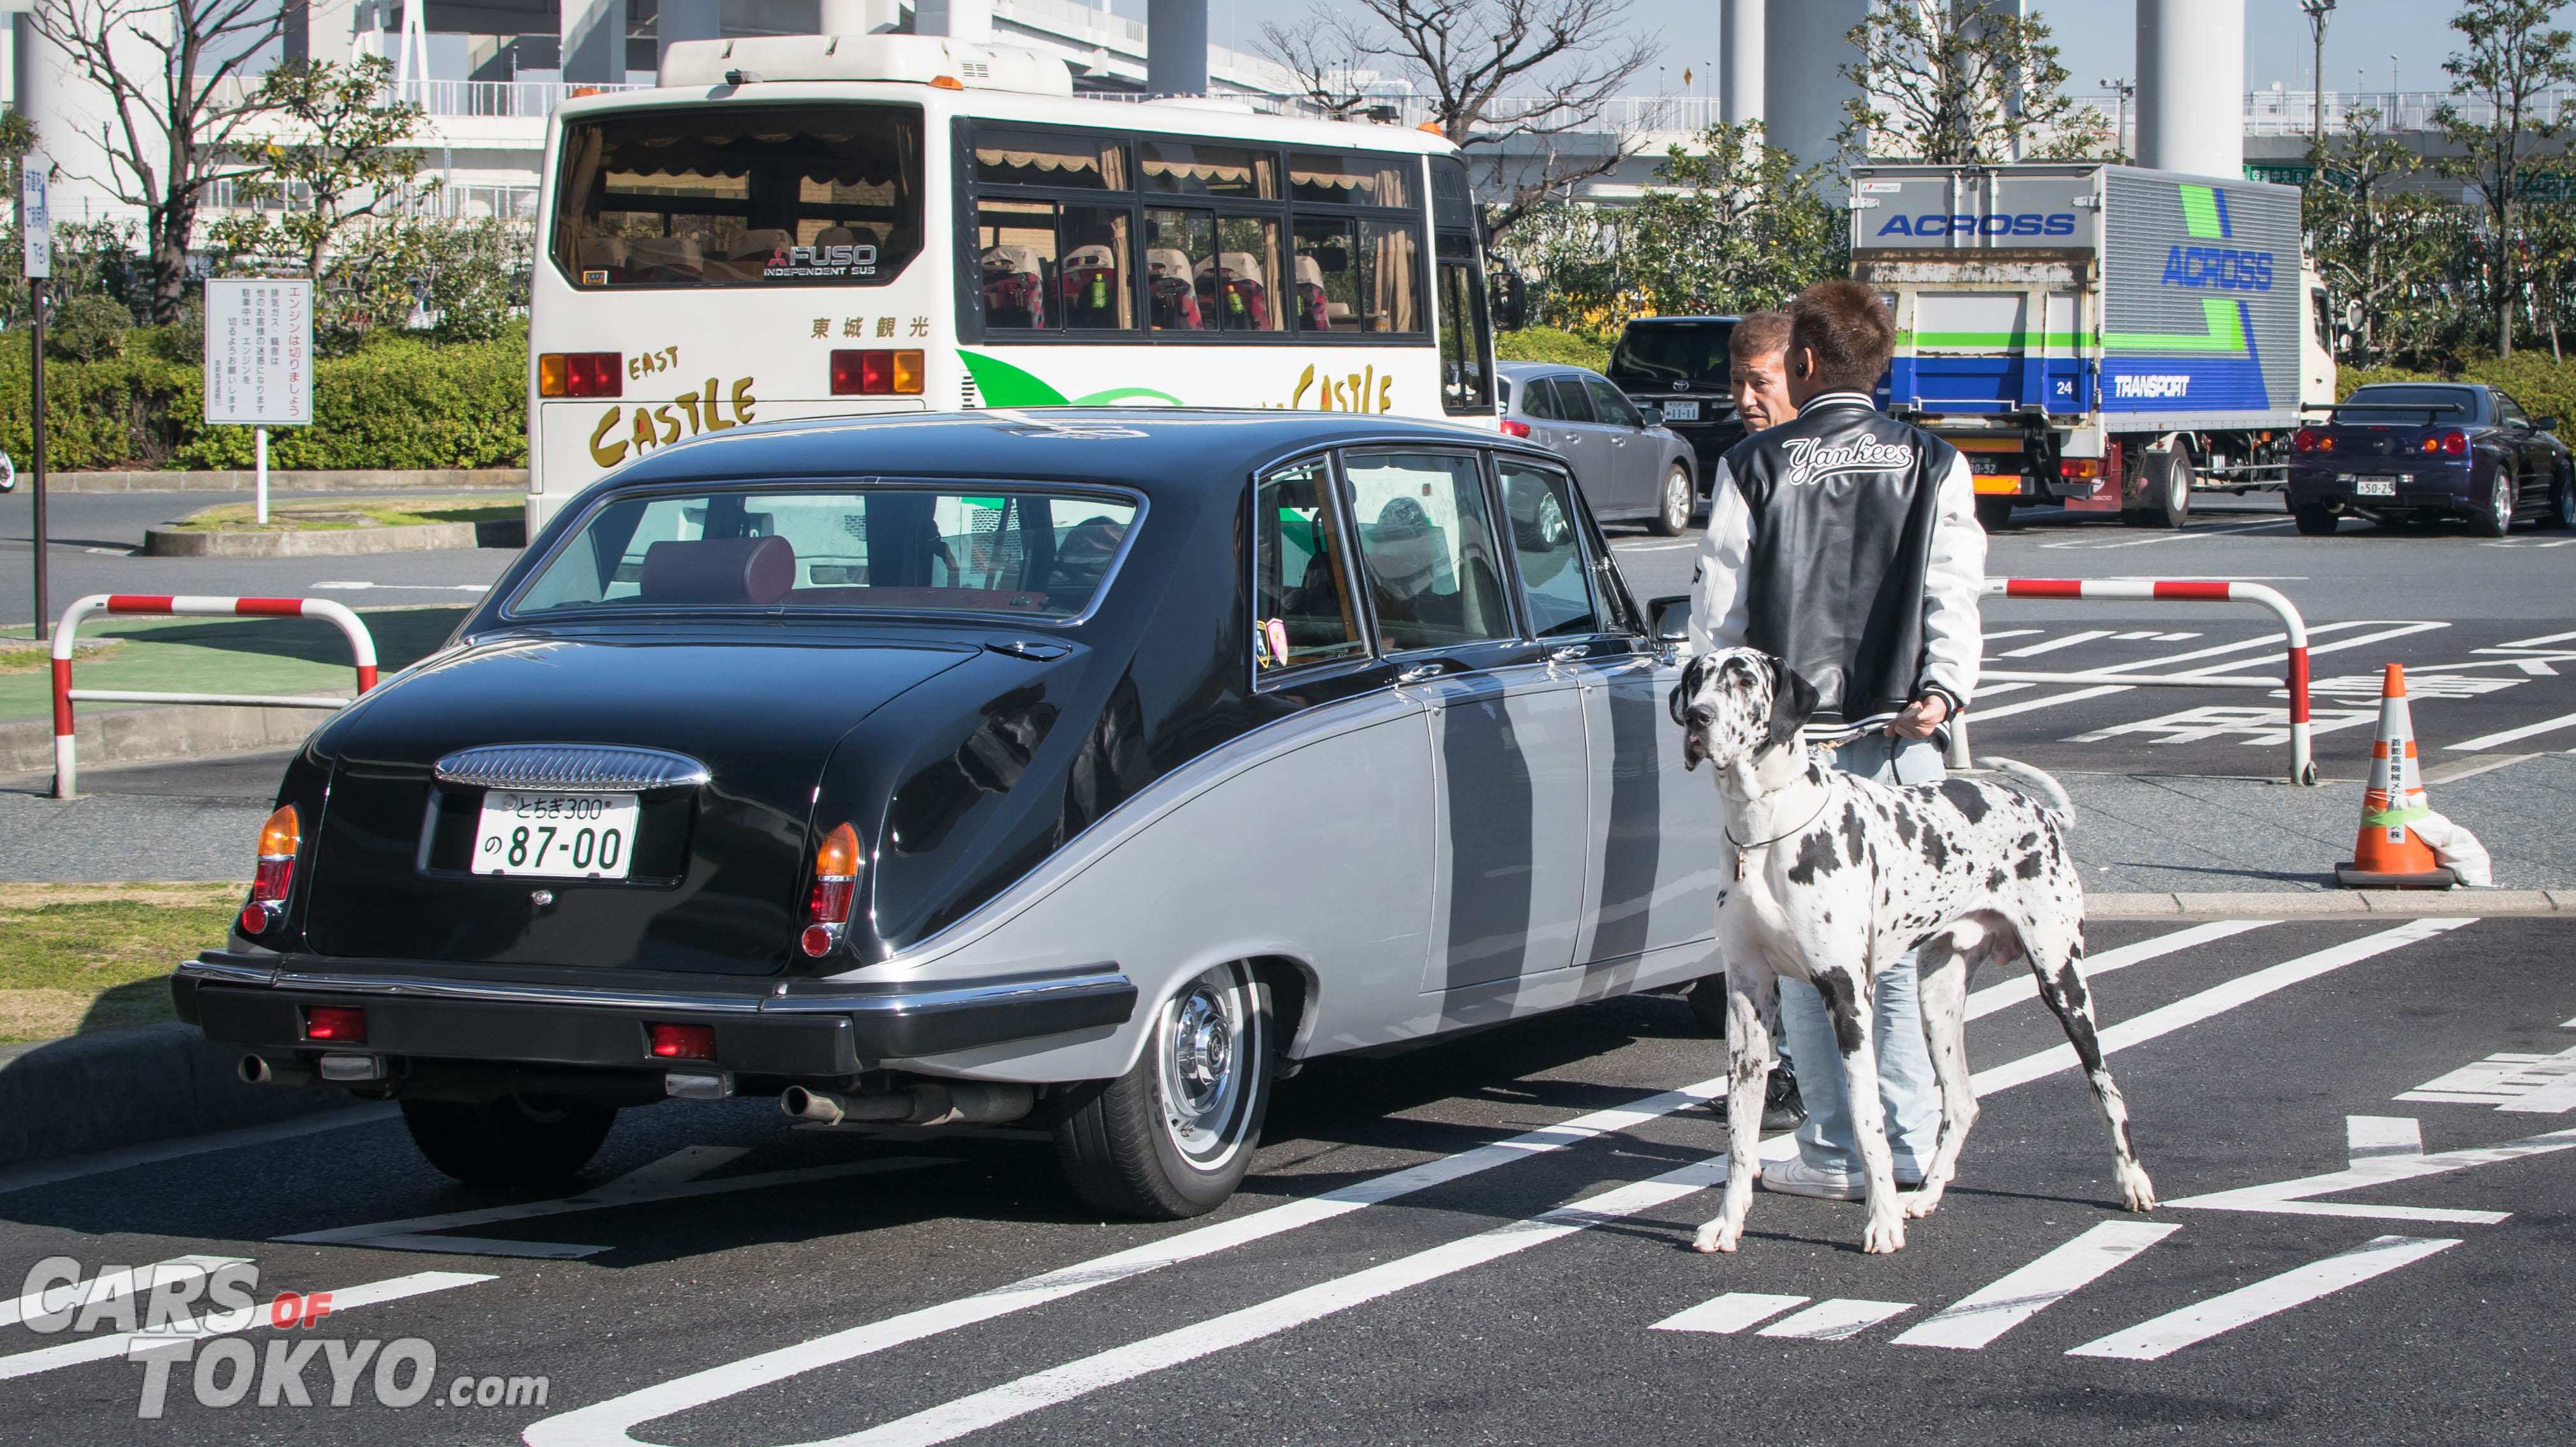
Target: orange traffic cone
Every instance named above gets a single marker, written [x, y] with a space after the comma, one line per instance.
[2389, 854]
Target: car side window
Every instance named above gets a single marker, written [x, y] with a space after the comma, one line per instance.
[2509, 411]
[1538, 399]
[1612, 405]
[1307, 611]
[1571, 402]
[1556, 586]
[1427, 549]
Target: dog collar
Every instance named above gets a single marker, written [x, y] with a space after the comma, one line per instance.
[1741, 846]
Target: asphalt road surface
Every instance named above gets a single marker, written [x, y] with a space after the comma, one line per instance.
[2358, 1128]
[94, 536]
[2485, 627]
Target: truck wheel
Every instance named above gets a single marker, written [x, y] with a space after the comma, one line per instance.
[517, 1140]
[2171, 506]
[1994, 512]
[2315, 522]
[1673, 505]
[1173, 1136]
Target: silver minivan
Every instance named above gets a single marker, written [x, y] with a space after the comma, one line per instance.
[1630, 465]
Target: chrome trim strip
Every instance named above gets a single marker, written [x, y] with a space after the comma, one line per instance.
[579, 768]
[226, 974]
[1083, 983]
[967, 994]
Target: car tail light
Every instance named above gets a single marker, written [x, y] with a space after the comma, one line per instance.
[338, 1024]
[2455, 444]
[2079, 468]
[683, 1042]
[836, 878]
[580, 374]
[1515, 427]
[2304, 440]
[278, 839]
[876, 372]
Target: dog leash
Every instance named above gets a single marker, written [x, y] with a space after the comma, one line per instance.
[1741, 846]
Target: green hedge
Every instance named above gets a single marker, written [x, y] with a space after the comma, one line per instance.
[2545, 388]
[398, 402]
[1552, 344]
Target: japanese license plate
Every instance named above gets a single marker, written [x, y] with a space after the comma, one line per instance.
[2374, 487]
[561, 836]
[1681, 411]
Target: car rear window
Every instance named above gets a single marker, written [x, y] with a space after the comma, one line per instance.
[896, 549]
[2415, 406]
[1652, 356]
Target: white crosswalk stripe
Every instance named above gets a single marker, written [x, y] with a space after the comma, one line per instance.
[1982, 1315]
[2198, 1322]
[1836, 1320]
[1730, 1313]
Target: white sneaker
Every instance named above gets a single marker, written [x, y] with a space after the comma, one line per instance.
[1794, 1177]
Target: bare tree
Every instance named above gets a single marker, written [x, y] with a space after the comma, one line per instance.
[2513, 56]
[1473, 61]
[1952, 82]
[173, 73]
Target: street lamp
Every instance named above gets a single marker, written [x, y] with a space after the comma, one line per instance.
[2317, 11]
[2122, 89]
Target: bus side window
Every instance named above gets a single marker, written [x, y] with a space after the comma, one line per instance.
[1016, 242]
[1327, 274]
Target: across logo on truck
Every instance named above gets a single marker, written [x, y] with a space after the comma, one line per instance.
[2025, 223]
[2225, 270]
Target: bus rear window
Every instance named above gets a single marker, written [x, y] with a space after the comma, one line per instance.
[740, 196]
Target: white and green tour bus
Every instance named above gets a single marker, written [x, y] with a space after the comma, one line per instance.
[808, 226]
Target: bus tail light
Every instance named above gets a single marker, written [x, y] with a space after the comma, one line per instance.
[278, 839]
[580, 374]
[876, 372]
[836, 878]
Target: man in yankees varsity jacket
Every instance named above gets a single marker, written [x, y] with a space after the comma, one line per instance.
[1846, 542]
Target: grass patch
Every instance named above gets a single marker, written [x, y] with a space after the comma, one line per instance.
[76, 957]
[342, 514]
[16, 657]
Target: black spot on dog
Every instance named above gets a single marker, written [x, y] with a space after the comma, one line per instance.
[2070, 985]
[1904, 826]
[1815, 857]
[1854, 836]
[1995, 881]
[1967, 798]
[1934, 851]
[2027, 841]
[2029, 867]
[1836, 988]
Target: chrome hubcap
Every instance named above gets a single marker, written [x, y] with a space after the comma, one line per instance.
[1202, 1069]
[1676, 500]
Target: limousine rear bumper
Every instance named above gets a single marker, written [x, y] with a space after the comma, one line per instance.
[811, 1031]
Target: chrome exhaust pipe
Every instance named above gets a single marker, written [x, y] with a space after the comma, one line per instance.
[260, 1070]
[953, 1102]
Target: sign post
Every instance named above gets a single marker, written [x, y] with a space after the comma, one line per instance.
[259, 362]
[36, 232]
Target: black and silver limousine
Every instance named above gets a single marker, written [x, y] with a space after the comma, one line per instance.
[1090, 767]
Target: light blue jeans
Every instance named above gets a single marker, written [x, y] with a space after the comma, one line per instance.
[1905, 1086]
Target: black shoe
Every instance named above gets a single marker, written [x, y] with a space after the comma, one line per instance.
[1781, 1108]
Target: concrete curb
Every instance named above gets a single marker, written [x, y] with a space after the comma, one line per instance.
[338, 480]
[128, 1085]
[334, 542]
[2306, 904]
[153, 735]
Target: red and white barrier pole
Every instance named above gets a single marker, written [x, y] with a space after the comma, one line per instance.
[2303, 769]
[362, 649]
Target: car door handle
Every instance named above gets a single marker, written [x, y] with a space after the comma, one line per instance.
[1421, 673]
[1570, 653]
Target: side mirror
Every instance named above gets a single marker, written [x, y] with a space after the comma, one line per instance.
[2545, 424]
[1651, 414]
[1508, 299]
[1671, 618]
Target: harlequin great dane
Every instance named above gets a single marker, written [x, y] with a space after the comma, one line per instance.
[1834, 879]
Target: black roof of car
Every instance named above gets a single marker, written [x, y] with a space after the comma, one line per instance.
[1146, 447]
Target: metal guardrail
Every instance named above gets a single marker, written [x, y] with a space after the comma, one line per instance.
[2303, 766]
[362, 649]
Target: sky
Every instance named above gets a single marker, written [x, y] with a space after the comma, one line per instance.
[2095, 38]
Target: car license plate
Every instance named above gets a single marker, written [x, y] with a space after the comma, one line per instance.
[561, 836]
[1681, 411]
[2374, 487]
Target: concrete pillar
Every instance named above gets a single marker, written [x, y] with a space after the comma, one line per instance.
[594, 41]
[865, 17]
[73, 116]
[1739, 62]
[1803, 88]
[956, 19]
[1978, 14]
[690, 20]
[1176, 47]
[327, 30]
[2191, 86]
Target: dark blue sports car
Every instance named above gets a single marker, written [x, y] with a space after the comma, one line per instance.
[2425, 451]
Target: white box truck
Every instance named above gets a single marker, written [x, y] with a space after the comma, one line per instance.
[2100, 338]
